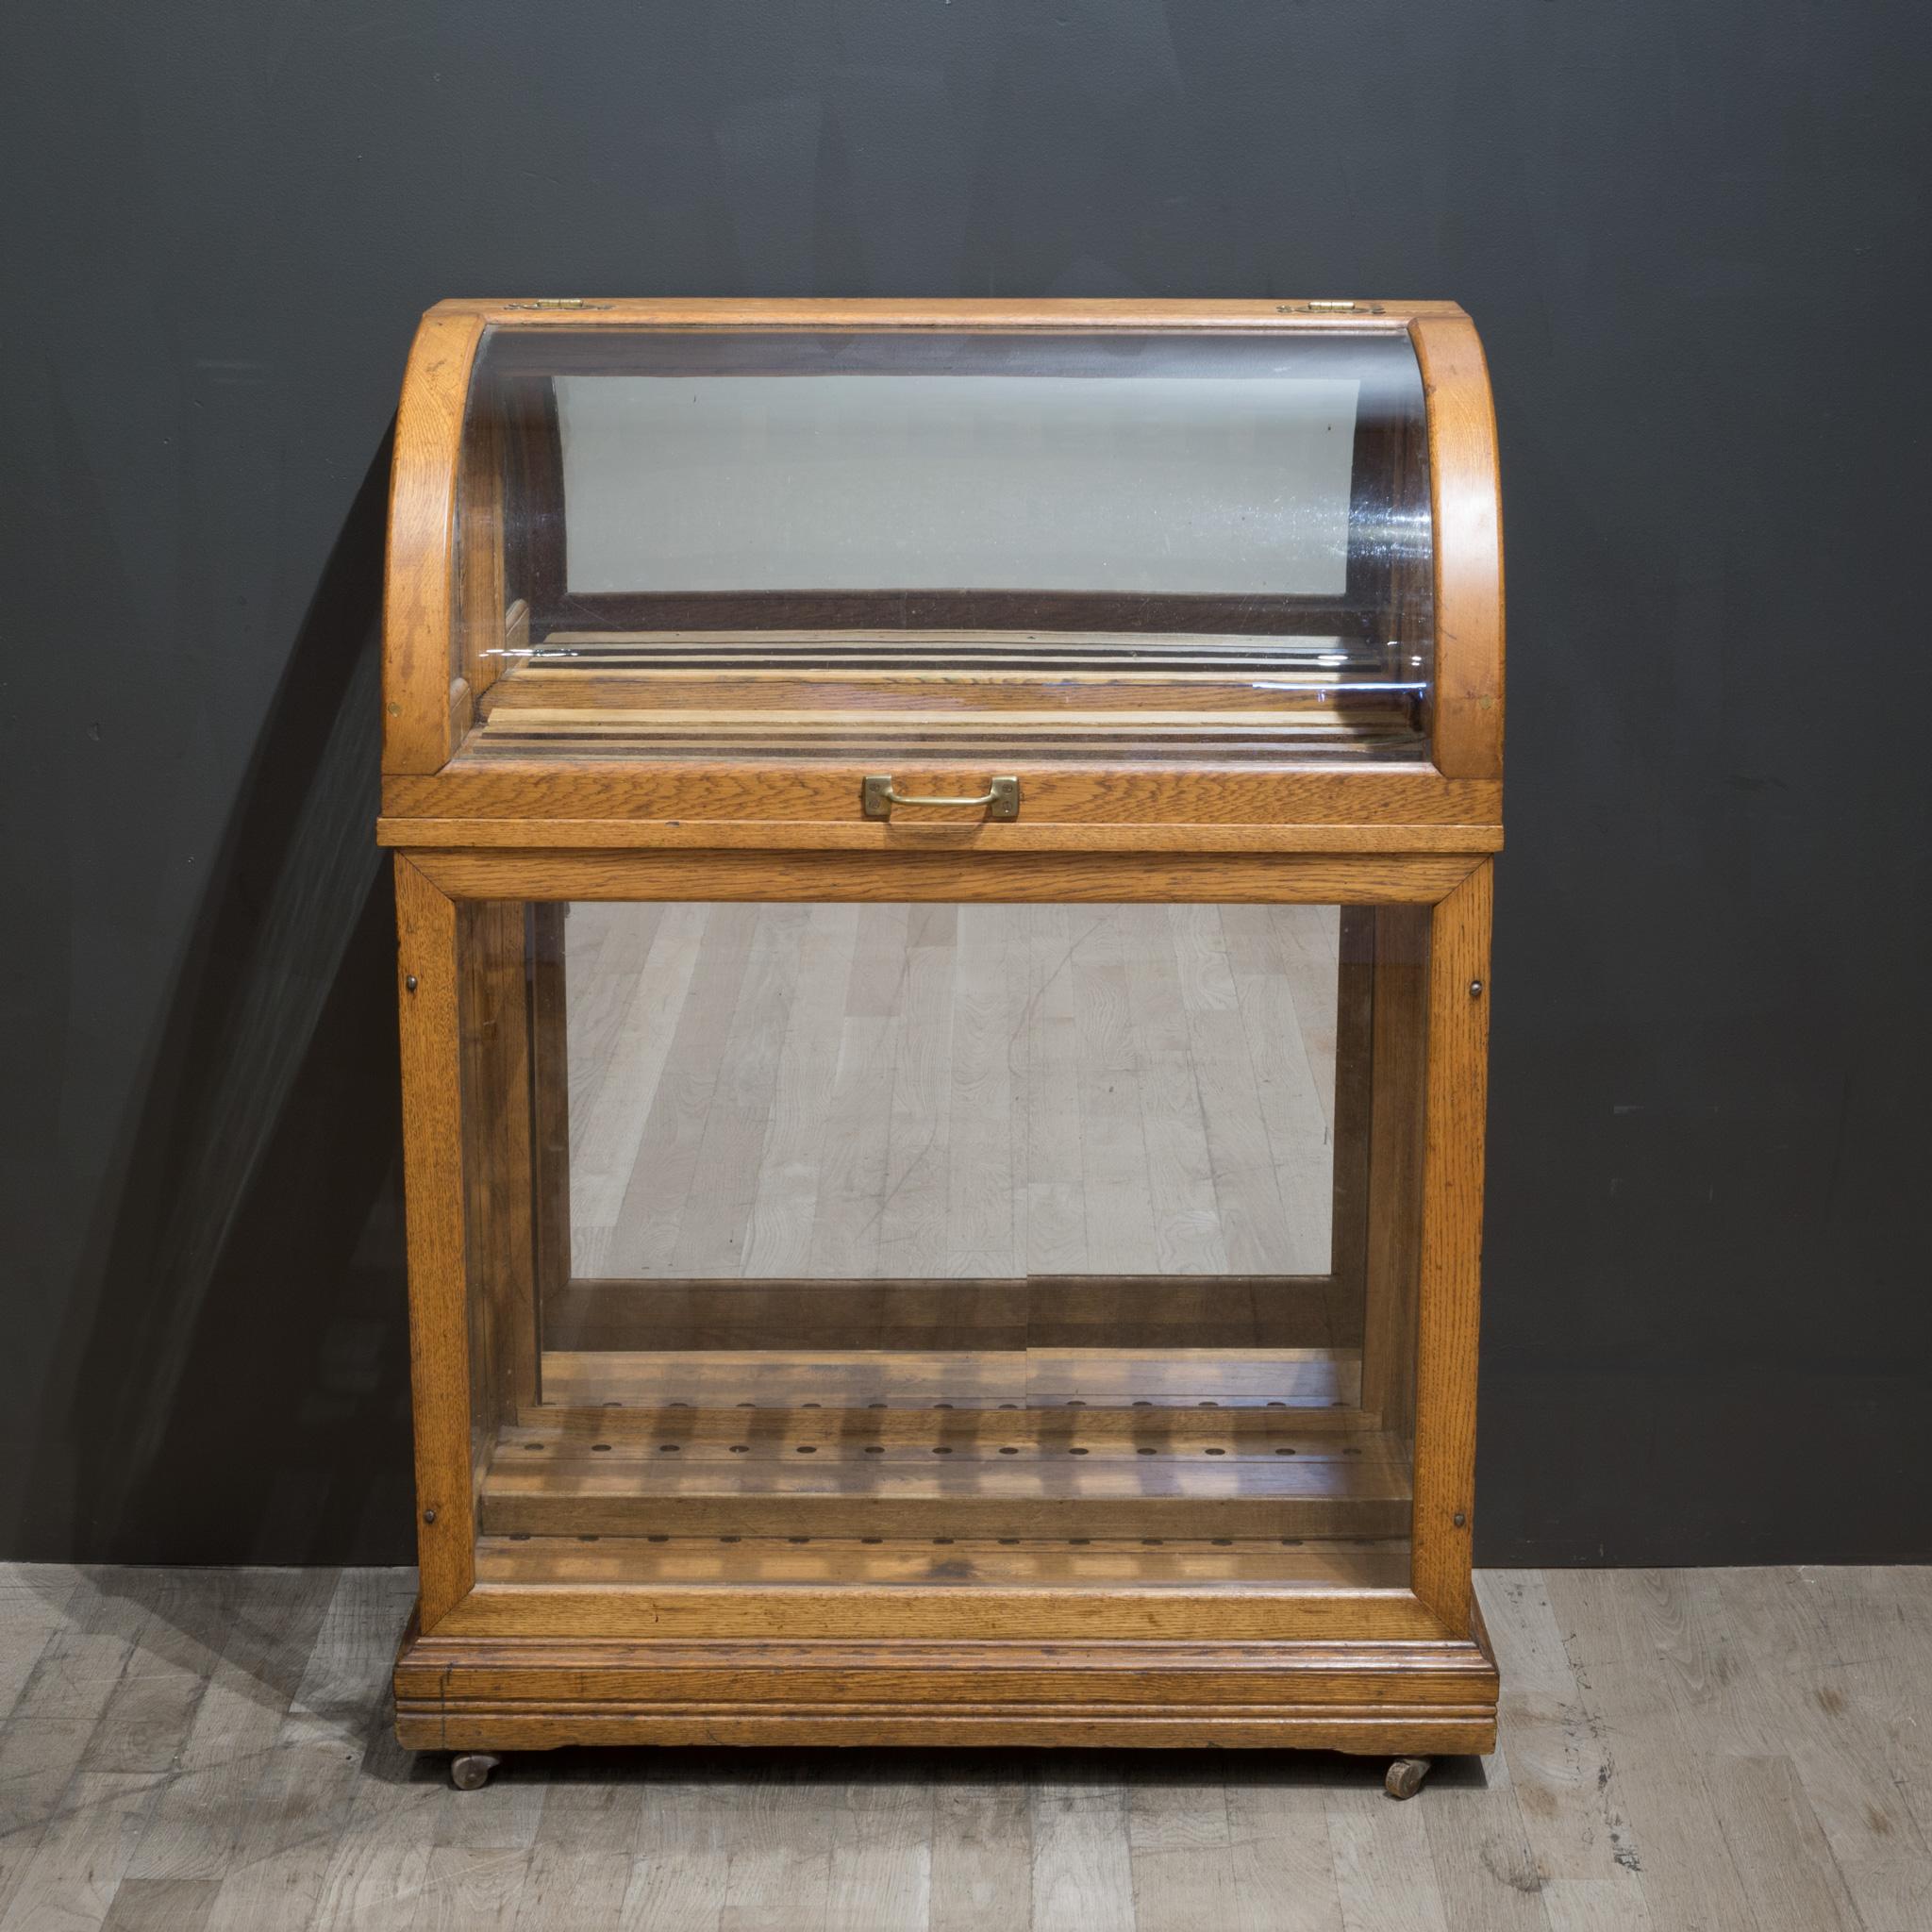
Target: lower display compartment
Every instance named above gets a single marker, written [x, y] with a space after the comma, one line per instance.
[957, 1462]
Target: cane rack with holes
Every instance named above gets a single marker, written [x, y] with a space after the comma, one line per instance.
[944, 859]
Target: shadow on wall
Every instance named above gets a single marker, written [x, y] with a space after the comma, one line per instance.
[237, 1389]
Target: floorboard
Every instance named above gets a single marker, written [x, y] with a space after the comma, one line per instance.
[210, 1749]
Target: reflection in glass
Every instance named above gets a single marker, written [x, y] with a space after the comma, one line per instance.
[974, 1243]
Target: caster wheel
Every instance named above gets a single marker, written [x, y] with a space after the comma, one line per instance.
[1406, 1776]
[468, 1770]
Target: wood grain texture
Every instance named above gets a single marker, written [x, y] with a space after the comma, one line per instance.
[420, 666]
[1449, 1297]
[1398, 1071]
[1142, 805]
[1466, 492]
[499, 1171]
[550, 1102]
[992, 312]
[434, 1193]
[1095, 877]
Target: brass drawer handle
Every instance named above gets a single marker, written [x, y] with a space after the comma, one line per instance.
[1001, 797]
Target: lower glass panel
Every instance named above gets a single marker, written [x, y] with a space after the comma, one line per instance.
[974, 1244]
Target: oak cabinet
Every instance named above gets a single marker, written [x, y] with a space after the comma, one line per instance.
[943, 863]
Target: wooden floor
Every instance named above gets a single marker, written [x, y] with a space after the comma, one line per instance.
[848, 1091]
[1682, 1751]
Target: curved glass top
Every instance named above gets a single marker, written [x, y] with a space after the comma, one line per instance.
[1061, 545]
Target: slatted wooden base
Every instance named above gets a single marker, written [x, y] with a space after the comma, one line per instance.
[1039, 1444]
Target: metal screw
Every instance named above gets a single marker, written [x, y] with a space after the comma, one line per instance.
[1458, 1519]
[429, 1514]
[1475, 989]
[410, 984]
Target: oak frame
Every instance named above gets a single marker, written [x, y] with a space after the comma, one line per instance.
[489, 1664]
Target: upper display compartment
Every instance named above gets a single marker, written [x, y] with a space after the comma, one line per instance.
[960, 548]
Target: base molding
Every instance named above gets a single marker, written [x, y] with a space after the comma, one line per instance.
[472, 1693]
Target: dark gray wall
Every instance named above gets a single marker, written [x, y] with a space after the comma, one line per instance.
[1694, 239]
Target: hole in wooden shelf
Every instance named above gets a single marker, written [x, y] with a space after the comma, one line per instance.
[1206, 1404]
[1150, 1542]
[1277, 1405]
[1079, 1542]
[1142, 1403]
[746, 1405]
[657, 1539]
[1076, 1451]
[942, 1404]
[520, 1536]
[798, 1538]
[668, 1448]
[741, 1448]
[874, 1405]
[1075, 1402]
[533, 1445]
[1284, 1452]
[1351, 1451]
[1009, 1405]
[942, 1538]
[1146, 1452]
[811, 1404]
[1009, 1538]
[586, 1539]
[613, 1405]
[1010, 1452]
[1221, 1542]
[874, 1449]
[807, 1449]
[940, 1449]
[871, 1538]
[727, 1539]
[601, 1448]
[1214, 1452]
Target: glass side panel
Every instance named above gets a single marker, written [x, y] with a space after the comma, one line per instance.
[793, 544]
[965, 1243]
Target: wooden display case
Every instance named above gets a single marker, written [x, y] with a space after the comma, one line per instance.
[942, 860]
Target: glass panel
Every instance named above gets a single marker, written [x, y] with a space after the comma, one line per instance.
[1033, 545]
[1157, 484]
[976, 1243]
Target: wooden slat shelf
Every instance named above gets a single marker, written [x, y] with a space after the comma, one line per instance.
[1298, 1379]
[1045, 1461]
[1098, 1563]
[1037, 692]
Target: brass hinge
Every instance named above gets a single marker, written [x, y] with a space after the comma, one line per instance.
[557, 302]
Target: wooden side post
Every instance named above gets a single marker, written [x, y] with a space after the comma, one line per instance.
[499, 1168]
[1449, 1305]
[550, 1076]
[1395, 1143]
[434, 1191]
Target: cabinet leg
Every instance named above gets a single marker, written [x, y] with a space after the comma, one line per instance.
[1405, 1775]
[468, 1770]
